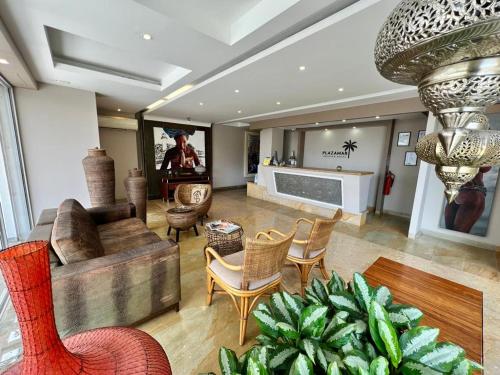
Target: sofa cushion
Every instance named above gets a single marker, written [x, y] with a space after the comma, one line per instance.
[234, 278]
[297, 251]
[125, 235]
[74, 235]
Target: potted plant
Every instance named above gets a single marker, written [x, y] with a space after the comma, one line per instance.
[341, 328]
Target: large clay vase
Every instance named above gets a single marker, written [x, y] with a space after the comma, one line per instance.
[125, 351]
[100, 175]
[137, 191]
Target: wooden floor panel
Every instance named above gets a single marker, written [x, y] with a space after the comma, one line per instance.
[455, 309]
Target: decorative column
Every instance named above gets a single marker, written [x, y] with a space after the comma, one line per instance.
[137, 192]
[100, 175]
[451, 50]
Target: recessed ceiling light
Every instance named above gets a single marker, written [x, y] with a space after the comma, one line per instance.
[317, 123]
[377, 116]
[236, 91]
[293, 129]
[119, 109]
[341, 89]
[4, 61]
[239, 110]
[201, 103]
[147, 36]
[354, 127]
[344, 120]
[302, 67]
[278, 103]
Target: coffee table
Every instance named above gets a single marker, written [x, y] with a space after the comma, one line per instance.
[181, 218]
[225, 243]
[455, 309]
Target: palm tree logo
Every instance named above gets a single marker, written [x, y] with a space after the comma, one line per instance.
[349, 146]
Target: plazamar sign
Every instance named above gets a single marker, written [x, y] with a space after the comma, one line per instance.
[348, 147]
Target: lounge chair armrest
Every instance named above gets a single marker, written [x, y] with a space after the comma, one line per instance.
[298, 221]
[212, 254]
[108, 214]
[301, 242]
[276, 232]
[260, 234]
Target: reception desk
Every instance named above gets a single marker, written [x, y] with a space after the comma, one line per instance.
[314, 190]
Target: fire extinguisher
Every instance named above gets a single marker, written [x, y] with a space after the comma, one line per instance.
[388, 182]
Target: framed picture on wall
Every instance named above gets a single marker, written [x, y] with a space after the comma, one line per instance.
[404, 138]
[410, 158]
[420, 134]
[178, 148]
[251, 153]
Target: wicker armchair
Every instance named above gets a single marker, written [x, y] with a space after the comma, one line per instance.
[305, 254]
[248, 274]
[182, 197]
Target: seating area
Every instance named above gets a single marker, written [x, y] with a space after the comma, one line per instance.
[251, 187]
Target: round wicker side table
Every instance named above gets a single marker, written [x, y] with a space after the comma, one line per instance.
[181, 218]
[223, 243]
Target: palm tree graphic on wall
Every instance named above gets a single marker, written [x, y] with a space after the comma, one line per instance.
[349, 146]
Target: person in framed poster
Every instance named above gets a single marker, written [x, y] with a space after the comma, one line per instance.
[411, 158]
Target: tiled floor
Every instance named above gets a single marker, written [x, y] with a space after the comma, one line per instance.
[192, 336]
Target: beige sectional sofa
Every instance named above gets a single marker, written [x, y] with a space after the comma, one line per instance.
[108, 268]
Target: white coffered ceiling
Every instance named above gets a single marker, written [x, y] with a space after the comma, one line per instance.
[217, 46]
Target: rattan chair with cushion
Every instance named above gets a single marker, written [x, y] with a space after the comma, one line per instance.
[305, 254]
[248, 274]
[196, 196]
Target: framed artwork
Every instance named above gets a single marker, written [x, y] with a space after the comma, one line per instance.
[251, 153]
[472, 218]
[177, 149]
[421, 133]
[411, 158]
[404, 138]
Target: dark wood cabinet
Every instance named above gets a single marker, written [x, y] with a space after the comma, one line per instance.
[170, 182]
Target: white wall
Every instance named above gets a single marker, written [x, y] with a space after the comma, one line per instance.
[291, 144]
[227, 154]
[400, 201]
[369, 156]
[271, 140]
[57, 126]
[121, 145]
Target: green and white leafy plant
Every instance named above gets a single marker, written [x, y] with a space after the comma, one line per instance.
[341, 328]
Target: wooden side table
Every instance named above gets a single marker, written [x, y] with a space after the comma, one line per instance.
[181, 218]
[223, 243]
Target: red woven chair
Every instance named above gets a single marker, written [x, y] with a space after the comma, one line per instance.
[111, 350]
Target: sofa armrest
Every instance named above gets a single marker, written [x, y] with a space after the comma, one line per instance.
[108, 214]
[119, 289]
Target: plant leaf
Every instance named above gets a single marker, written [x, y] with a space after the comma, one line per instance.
[370, 351]
[333, 369]
[417, 341]
[373, 326]
[311, 297]
[320, 355]
[280, 309]
[331, 356]
[332, 326]
[294, 306]
[341, 336]
[462, 368]
[443, 357]
[404, 316]
[414, 368]
[363, 291]
[379, 366]
[266, 323]
[383, 295]
[255, 367]
[281, 355]
[286, 330]
[264, 307]
[346, 302]
[475, 366]
[356, 360]
[320, 290]
[265, 340]
[390, 339]
[228, 361]
[336, 283]
[302, 366]
[313, 320]
[310, 348]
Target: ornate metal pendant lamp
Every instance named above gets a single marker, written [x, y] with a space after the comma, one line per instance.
[451, 50]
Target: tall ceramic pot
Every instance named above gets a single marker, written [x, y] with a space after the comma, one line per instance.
[100, 175]
[137, 191]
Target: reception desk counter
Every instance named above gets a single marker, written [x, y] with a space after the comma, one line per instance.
[315, 190]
